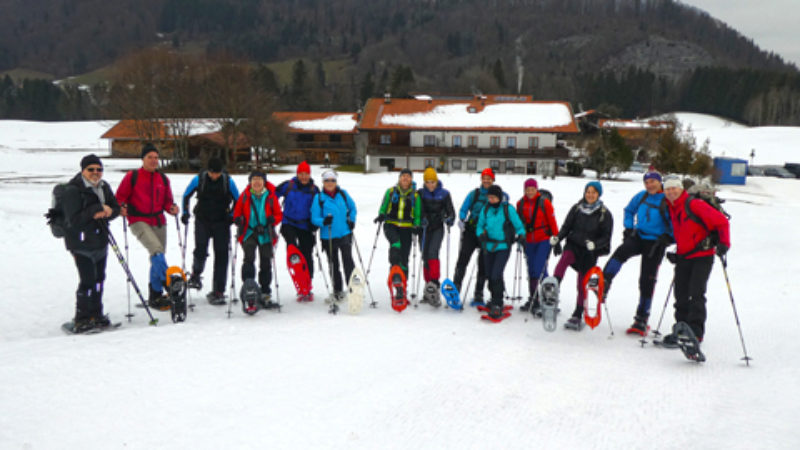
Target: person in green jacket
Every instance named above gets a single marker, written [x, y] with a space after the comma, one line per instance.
[400, 213]
[498, 227]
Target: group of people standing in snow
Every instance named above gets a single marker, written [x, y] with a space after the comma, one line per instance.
[659, 215]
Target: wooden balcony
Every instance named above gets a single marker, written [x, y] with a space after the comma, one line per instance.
[468, 152]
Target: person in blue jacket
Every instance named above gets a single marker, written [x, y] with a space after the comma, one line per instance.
[334, 212]
[297, 229]
[648, 232]
[216, 197]
[468, 220]
[498, 228]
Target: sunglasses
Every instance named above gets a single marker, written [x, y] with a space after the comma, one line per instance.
[95, 169]
[329, 181]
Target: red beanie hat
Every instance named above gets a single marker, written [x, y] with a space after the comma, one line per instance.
[488, 172]
[303, 167]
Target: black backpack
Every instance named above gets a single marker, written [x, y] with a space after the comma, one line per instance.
[56, 218]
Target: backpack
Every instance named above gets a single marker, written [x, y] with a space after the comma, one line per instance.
[201, 185]
[131, 209]
[543, 194]
[662, 208]
[706, 193]
[338, 192]
[509, 233]
[56, 218]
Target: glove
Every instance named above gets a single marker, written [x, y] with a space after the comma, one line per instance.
[554, 241]
[449, 221]
[270, 220]
[557, 249]
[590, 246]
[521, 240]
[628, 233]
[185, 218]
[328, 220]
[722, 249]
[351, 224]
[462, 225]
[380, 219]
[672, 257]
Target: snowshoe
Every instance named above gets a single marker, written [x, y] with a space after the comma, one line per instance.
[250, 295]
[688, 343]
[216, 298]
[431, 294]
[574, 323]
[496, 312]
[355, 292]
[176, 291]
[307, 298]
[639, 327]
[298, 270]
[81, 326]
[669, 341]
[548, 293]
[195, 282]
[593, 282]
[397, 288]
[158, 301]
[450, 294]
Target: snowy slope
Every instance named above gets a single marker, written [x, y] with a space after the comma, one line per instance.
[424, 378]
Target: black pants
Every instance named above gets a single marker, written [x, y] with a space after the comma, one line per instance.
[469, 243]
[343, 246]
[494, 265]
[89, 296]
[220, 233]
[648, 273]
[264, 260]
[399, 245]
[304, 241]
[691, 280]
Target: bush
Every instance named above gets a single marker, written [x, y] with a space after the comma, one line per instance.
[574, 169]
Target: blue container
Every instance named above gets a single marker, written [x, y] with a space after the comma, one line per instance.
[730, 170]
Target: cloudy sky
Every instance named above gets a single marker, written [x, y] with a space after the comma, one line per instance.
[774, 25]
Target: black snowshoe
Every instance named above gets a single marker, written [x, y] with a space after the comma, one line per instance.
[176, 294]
[688, 343]
[250, 295]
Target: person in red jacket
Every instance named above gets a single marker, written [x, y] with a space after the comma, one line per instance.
[256, 214]
[144, 195]
[694, 257]
[539, 219]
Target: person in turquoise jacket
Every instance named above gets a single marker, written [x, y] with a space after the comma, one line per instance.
[498, 227]
[334, 212]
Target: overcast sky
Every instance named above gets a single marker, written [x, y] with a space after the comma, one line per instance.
[774, 25]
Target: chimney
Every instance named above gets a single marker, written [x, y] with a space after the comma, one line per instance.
[387, 97]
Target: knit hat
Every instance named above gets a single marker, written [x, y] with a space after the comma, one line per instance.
[257, 173]
[429, 175]
[303, 167]
[406, 171]
[597, 187]
[329, 175]
[530, 182]
[147, 148]
[488, 172]
[495, 190]
[215, 165]
[653, 175]
[90, 159]
[673, 183]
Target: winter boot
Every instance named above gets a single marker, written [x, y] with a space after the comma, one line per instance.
[195, 282]
[639, 326]
[158, 301]
[575, 322]
[536, 307]
[265, 299]
[216, 298]
[670, 341]
[496, 310]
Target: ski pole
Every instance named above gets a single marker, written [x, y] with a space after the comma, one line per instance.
[421, 263]
[124, 263]
[374, 246]
[447, 265]
[334, 307]
[233, 273]
[608, 318]
[724, 261]
[275, 267]
[319, 264]
[183, 246]
[180, 244]
[664, 310]
[128, 282]
[373, 304]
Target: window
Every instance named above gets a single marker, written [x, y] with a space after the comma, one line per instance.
[386, 162]
[494, 141]
[429, 140]
[335, 137]
[533, 142]
[455, 164]
[511, 142]
[472, 141]
[472, 164]
[386, 139]
[305, 138]
[494, 164]
[738, 169]
[456, 141]
[510, 165]
[430, 162]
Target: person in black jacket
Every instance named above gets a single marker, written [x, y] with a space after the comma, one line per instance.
[88, 205]
[587, 230]
[437, 211]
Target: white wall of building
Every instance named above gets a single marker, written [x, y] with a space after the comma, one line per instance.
[445, 138]
[540, 167]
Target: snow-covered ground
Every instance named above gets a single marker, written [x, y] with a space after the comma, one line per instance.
[421, 379]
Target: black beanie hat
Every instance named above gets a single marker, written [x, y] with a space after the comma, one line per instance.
[215, 165]
[90, 159]
[495, 190]
[257, 173]
[147, 148]
[406, 171]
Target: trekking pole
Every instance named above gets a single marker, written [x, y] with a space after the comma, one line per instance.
[469, 280]
[124, 263]
[128, 282]
[664, 310]
[421, 264]
[180, 244]
[372, 304]
[183, 244]
[724, 261]
[233, 300]
[374, 246]
[334, 307]
[319, 264]
[275, 268]
[447, 264]
[608, 319]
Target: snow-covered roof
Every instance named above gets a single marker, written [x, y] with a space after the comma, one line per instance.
[646, 124]
[319, 122]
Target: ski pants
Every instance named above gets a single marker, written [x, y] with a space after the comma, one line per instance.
[652, 254]
[249, 247]
[399, 245]
[469, 243]
[494, 266]
[536, 254]
[89, 295]
[431, 243]
[340, 246]
[691, 280]
[154, 239]
[304, 240]
[220, 232]
[567, 259]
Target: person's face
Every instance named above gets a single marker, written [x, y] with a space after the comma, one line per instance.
[591, 195]
[93, 173]
[257, 184]
[431, 185]
[214, 175]
[531, 191]
[486, 181]
[150, 162]
[329, 185]
[405, 181]
[652, 186]
[672, 193]
[493, 199]
[303, 177]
